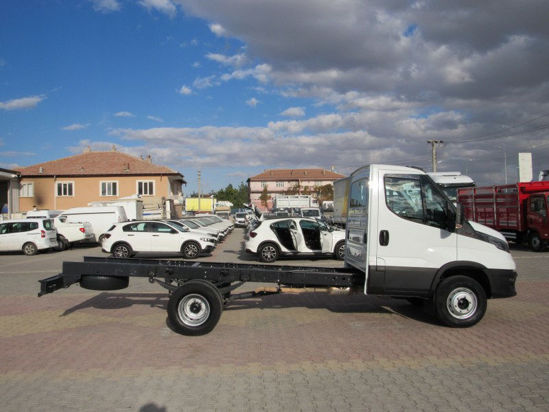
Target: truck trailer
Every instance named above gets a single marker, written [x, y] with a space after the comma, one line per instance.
[519, 211]
[404, 238]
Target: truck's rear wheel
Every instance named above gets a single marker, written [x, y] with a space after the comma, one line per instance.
[535, 242]
[460, 301]
[195, 308]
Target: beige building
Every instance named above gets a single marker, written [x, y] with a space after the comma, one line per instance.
[95, 176]
[280, 181]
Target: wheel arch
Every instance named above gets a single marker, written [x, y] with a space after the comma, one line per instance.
[473, 270]
[269, 242]
[121, 242]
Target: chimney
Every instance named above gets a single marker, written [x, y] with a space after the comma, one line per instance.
[113, 148]
[41, 170]
[88, 149]
[149, 159]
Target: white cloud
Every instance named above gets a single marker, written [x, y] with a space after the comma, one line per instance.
[253, 102]
[184, 90]
[106, 6]
[218, 30]
[235, 60]
[75, 126]
[163, 6]
[21, 103]
[294, 112]
[205, 82]
[155, 118]
[124, 114]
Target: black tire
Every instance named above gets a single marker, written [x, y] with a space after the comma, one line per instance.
[268, 253]
[98, 282]
[30, 249]
[339, 251]
[460, 301]
[535, 242]
[121, 250]
[191, 250]
[195, 308]
[62, 243]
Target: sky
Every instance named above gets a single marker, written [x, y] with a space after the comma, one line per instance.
[234, 88]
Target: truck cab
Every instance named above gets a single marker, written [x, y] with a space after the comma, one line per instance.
[537, 220]
[410, 241]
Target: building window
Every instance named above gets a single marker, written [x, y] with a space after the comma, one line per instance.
[109, 188]
[263, 184]
[27, 190]
[65, 189]
[279, 184]
[145, 187]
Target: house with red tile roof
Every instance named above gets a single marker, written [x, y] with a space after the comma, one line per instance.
[284, 181]
[95, 176]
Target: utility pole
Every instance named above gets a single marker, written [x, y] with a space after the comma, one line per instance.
[199, 181]
[434, 144]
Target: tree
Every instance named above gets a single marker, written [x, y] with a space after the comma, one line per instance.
[237, 196]
[325, 192]
[264, 197]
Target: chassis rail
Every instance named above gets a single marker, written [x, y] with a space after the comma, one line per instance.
[216, 273]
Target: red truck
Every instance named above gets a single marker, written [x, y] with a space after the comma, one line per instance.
[519, 211]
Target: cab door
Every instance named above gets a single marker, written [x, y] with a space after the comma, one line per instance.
[164, 238]
[4, 236]
[414, 235]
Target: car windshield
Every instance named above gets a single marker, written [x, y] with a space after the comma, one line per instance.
[191, 224]
[179, 226]
[203, 221]
[241, 215]
[308, 213]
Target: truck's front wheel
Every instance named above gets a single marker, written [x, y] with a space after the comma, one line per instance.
[460, 301]
[535, 242]
[195, 308]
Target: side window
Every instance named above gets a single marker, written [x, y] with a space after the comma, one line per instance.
[159, 228]
[135, 227]
[145, 187]
[62, 218]
[284, 224]
[307, 225]
[359, 193]
[65, 189]
[48, 224]
[403, 196]
[3, 228]
[418, 199]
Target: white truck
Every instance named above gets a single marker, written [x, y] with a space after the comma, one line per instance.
[451, 182]
[293, 201]
[68, 233]
[408, 244]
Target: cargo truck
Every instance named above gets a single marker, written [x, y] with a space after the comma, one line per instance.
[519, 211]
[451, 182]
[415, 247]
[293, 201]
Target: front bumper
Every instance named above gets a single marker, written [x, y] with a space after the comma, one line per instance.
[502, 282]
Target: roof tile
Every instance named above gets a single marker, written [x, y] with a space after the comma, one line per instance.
[295, 174]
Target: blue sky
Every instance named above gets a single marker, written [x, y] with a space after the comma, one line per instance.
[234, 89]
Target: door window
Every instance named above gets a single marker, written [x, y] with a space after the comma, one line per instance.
[135, 227]
[416, 198]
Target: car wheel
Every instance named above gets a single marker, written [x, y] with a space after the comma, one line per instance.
[122, 251]
[190, 250]
[339, 251]
[195, 308]
[460, 301]
[30, 249]
[268, 253]
[535, 242]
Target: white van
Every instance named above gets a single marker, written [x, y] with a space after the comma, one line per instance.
[68, 233]
[100, 217]
[27, 235]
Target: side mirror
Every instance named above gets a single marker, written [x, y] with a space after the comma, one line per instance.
[460, 216]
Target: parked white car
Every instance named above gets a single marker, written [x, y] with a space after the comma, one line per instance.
[294, 236]
[125, 239]
[27, 235]
[196, 228]
[241, 219]
[205, 224]
[68, 233]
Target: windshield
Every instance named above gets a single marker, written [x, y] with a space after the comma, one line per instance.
[191, 224]
[310, 213]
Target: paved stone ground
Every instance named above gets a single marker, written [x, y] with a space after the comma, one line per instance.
[84, 350]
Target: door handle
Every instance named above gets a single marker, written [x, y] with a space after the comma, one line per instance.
[156, 235]
[384, 237]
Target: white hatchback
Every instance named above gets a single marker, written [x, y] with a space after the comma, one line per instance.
[27, 235]
[125, 239]
[294, 236]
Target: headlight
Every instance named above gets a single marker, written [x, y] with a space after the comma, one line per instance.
[500, 244]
